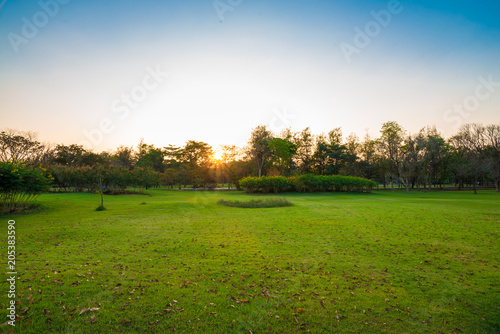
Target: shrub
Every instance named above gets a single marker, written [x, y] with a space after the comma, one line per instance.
[266, 184]
[259, 203]
[19, 185]
[307, 183]
[250, 184]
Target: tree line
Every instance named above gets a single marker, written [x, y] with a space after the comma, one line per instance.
[396, 157]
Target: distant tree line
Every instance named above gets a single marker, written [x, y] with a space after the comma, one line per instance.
[395, 159]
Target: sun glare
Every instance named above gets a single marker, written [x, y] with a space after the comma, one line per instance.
[217, 155]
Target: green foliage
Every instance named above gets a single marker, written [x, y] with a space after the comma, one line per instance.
[266, 184]
[19, 185]
[257, 203]
[100, 208]
[114, 178]
[196, 158]
[150, 156]
[282, 153]
[307, 183]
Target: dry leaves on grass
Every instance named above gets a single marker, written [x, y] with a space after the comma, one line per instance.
[88, 309]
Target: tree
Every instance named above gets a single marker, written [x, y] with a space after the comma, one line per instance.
[150, 156]
[335, 136]
[470, 143]
[330, 157]
[168, 177]
[408, 161]
[258, 147]
[305, 150]
[353, 165]
[71, 155]
[389, 143]
[435, 155]
[197, 157]
[282, 152]
[228, 163]
[22, 146]
[124, 157]
[492, 152]
[369, 157]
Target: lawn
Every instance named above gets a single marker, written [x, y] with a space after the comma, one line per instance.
[344, 263]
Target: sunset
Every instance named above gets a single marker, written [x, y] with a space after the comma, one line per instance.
[249, 166]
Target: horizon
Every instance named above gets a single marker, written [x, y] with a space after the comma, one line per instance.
[109, 74]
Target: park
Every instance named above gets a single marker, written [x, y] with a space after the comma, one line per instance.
[176, 261]
[231, 166]
[265, 238]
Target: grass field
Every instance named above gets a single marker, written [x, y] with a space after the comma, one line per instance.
[342, 263]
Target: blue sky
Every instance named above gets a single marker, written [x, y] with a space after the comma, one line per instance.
[278, 63]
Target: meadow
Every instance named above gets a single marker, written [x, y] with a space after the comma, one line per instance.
[176, 261]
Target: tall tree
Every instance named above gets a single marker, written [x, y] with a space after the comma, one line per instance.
[21, 146]
[492, 137]
[197, 157]
[435, 155]
[124, 157]
[335, 136]
[390, 143]
[368, 156]
[470, 142]
[352, 166]
[258, 147]
[408, 162]
[228, 163]
[71, 155]
[330, 156]
[150, 156]
[304, 141]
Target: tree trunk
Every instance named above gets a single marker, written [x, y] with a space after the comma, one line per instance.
[475, 184]
[100, 191]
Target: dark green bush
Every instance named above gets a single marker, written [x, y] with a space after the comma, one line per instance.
[307, 183]
[19, 185]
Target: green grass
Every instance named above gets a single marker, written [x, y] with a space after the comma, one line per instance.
[257, 203]
[343, 263]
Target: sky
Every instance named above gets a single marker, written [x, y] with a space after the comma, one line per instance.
[108, 73]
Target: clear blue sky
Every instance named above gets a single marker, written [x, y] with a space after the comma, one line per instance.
[66, 69]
